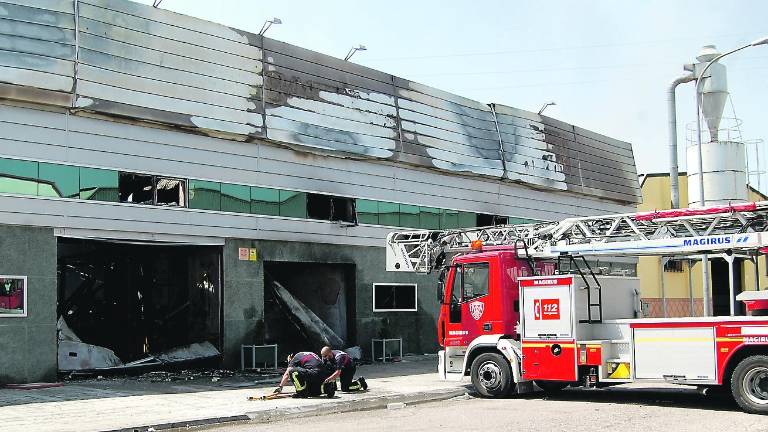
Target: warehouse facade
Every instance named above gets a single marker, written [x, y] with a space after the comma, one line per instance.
[167, 181]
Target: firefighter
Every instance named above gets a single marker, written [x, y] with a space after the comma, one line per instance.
[344, 369]
[308, 373]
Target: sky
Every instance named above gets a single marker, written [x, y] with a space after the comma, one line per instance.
[606, 64]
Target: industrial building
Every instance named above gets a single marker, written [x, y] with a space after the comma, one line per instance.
[170, 182]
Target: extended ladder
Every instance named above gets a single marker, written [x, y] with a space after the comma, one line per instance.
[669, 232]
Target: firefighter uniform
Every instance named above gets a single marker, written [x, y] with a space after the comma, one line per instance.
[308, 372]
[343, 362]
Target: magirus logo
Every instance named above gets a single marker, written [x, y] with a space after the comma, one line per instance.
[715, 240]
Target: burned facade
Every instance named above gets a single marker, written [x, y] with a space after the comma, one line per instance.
[168, 183]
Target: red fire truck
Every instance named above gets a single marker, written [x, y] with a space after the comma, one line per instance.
[521, 305]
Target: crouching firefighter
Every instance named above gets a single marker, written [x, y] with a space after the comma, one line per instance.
[307, 372]
[344, 369]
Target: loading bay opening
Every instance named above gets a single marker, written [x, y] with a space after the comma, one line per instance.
[136, 300]
[308, 305]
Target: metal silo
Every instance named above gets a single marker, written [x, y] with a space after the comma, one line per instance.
[723, 151]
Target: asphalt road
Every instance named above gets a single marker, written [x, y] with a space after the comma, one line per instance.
[615, 409]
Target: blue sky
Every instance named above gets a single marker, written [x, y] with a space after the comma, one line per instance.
[607, 64]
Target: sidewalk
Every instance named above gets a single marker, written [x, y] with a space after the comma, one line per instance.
[118, 405]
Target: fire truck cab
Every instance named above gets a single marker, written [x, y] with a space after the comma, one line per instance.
[512, 316]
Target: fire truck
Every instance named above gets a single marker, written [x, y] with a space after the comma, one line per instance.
[520, 304]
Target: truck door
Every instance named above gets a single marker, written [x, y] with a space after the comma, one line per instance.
[468, 293]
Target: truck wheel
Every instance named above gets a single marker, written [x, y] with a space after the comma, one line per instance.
[491, 375]
[749, 384]
[551, 386]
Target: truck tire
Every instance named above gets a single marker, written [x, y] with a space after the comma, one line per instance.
[749, 384]
[551, 387]
[491, 375]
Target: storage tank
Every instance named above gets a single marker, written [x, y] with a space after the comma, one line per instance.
[723, 152]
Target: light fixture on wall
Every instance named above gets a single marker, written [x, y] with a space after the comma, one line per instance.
[353, 50]
[268, 24]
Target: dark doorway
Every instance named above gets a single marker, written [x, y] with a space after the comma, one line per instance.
[326, 290]
[137, 299]
[721, 300]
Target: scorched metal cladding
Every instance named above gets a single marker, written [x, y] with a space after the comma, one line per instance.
[37, 39]
[314, 100]
[137, 61]
[130, 60]
[446, 131]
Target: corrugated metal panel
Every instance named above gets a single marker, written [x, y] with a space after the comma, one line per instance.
[327, 104]
[445, 131]
[129, 60]
[544, 151]
[37, 50]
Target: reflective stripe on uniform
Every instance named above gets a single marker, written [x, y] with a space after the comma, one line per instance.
[297, 383]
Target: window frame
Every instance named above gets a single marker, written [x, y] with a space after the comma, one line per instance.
[485, 264]
[415, 295]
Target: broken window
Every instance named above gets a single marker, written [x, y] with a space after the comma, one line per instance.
[394, 297]
[333, 208]
[170, 192]
[152, 190]
[136, 188]
[491, 220]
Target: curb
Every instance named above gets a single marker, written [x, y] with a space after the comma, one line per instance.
[369, 404]
[359, 405]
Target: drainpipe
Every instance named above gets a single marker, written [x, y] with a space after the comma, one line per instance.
[673, 173]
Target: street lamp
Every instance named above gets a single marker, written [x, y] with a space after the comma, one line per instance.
[704, 257]
[353, 50]
[268, 24]
[546, 105]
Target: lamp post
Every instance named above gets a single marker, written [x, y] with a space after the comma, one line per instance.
[353, 50]
[699, 79]
[546, 105]
[268, 24]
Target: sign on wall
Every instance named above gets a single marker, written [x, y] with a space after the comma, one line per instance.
[13, 296]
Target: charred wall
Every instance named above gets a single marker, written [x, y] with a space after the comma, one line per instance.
[244, 295]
